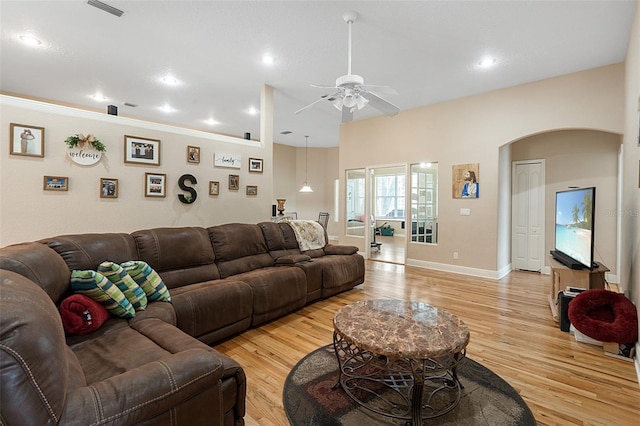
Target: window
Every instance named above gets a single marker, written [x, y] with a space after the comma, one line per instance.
[390, 196]
[424, 203]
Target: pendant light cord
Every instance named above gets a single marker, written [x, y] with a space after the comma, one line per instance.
[306, 159]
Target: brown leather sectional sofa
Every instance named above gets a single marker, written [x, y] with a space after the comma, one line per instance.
[156, 368]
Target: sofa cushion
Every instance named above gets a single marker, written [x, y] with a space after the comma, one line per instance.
[131, 290]
[36, 365]
[277, 291]
[213, 310]
[82, 315]
[96, 286]
[87, 251]
[135, 374]
[340, 272]
[280, 239]
[40, 264]
[239, 248]
[181, 256]
[148, 280]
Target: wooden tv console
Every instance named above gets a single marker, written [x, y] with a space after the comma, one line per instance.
[563, 277]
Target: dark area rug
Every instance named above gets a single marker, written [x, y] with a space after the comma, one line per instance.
[310, 398]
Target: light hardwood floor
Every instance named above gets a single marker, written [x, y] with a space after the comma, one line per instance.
[564, 382]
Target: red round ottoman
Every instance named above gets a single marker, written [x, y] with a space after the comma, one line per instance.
[604, 315]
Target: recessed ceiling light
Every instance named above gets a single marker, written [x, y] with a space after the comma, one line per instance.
[167, 108]
[487, 62]
[99, 97]
[253, 111]
[268, 60]
[211, 122]
[30, 40]
[170, 80]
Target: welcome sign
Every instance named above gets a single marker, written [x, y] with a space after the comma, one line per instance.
[84, 156]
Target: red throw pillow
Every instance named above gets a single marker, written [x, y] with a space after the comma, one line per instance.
[82, 315]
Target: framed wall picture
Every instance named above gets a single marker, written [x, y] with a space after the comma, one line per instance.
[214, 188]
[193, 154]
[55, 183]
[466, 181]
[255, 165]
[108, 188]
[155, 185]
[26, 140]
[234, 182]
[141, 150]
[252, 190]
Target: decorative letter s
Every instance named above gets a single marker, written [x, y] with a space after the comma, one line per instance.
[193, 194]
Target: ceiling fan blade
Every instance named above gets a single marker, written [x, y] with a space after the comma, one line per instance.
[347, 114]
[380, 104]
[383, 90]
[323, 87]
[322, 98]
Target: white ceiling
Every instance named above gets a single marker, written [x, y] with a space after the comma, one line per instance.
[427, 50]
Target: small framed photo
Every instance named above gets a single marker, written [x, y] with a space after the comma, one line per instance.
[141, 150]
[193, 154]
[255, 165]
[252, 190]
[155, 185]
[55, 183]
[108, 188]
[234, 182]
[26, 140]
[214, 188]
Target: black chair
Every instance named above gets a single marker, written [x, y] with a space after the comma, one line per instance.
[323, 219]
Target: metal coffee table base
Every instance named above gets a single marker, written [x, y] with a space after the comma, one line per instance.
[405, 389]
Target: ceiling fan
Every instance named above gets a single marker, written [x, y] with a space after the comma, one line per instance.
[350, 91]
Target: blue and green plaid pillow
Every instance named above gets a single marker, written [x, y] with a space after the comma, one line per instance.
[96, 286]
[132, 291]
[148, 280]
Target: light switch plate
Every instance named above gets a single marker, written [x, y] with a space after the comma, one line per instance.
[465, 212]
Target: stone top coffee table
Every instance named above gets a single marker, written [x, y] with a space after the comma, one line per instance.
[398, 358]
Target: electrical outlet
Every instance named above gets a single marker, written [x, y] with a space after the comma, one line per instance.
[455, 255]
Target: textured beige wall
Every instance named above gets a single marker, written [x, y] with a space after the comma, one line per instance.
[28, 213]
[472, 130]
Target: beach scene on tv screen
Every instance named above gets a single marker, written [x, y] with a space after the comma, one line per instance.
[574, 220]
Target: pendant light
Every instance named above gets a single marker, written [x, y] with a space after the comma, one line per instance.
[305, 185]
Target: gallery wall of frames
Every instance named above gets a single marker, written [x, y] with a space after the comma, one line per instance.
[78, 169]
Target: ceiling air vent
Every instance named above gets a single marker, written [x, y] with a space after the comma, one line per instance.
[129, 104]
[103, 6]
[286, 132]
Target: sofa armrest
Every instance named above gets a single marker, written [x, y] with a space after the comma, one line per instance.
[151, 390]
[339, 249]
[292, 259]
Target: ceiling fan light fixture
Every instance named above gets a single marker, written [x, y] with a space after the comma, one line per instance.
[349, 100]
[361, 101]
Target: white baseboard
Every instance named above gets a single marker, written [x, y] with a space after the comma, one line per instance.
[482, 273]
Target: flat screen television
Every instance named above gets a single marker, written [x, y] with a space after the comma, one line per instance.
[574, 230]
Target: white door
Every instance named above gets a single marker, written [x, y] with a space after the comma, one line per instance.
[527, 204]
